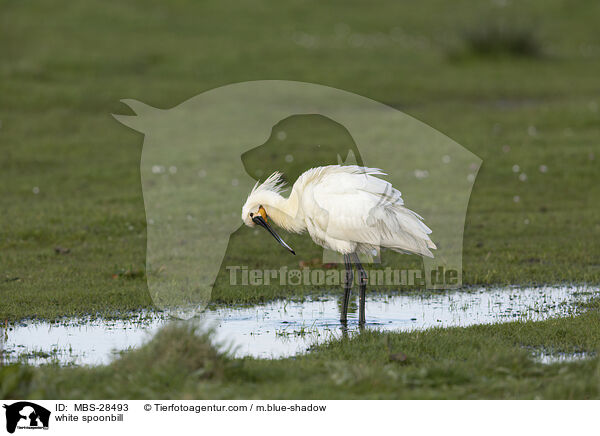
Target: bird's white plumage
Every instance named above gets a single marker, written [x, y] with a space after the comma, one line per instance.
[344, 208]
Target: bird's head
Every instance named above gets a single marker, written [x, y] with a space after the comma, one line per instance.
[251, 210]
[254, 211]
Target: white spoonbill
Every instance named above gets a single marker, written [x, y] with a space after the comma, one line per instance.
[345, 209]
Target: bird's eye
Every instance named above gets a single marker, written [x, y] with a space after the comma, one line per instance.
[251, 214]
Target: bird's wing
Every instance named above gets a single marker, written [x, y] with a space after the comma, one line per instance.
[366, 210]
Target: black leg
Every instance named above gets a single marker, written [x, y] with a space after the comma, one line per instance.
[362, 280]
[347, 288]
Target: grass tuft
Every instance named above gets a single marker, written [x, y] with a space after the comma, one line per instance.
[180, 346]
[498, 39]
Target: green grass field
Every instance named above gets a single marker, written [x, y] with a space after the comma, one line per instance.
[515, 84]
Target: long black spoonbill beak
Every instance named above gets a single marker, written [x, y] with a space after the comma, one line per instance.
[258, 219]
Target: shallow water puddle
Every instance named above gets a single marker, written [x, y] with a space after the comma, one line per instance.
[551, 358]
[78, 341]
[281, 328]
